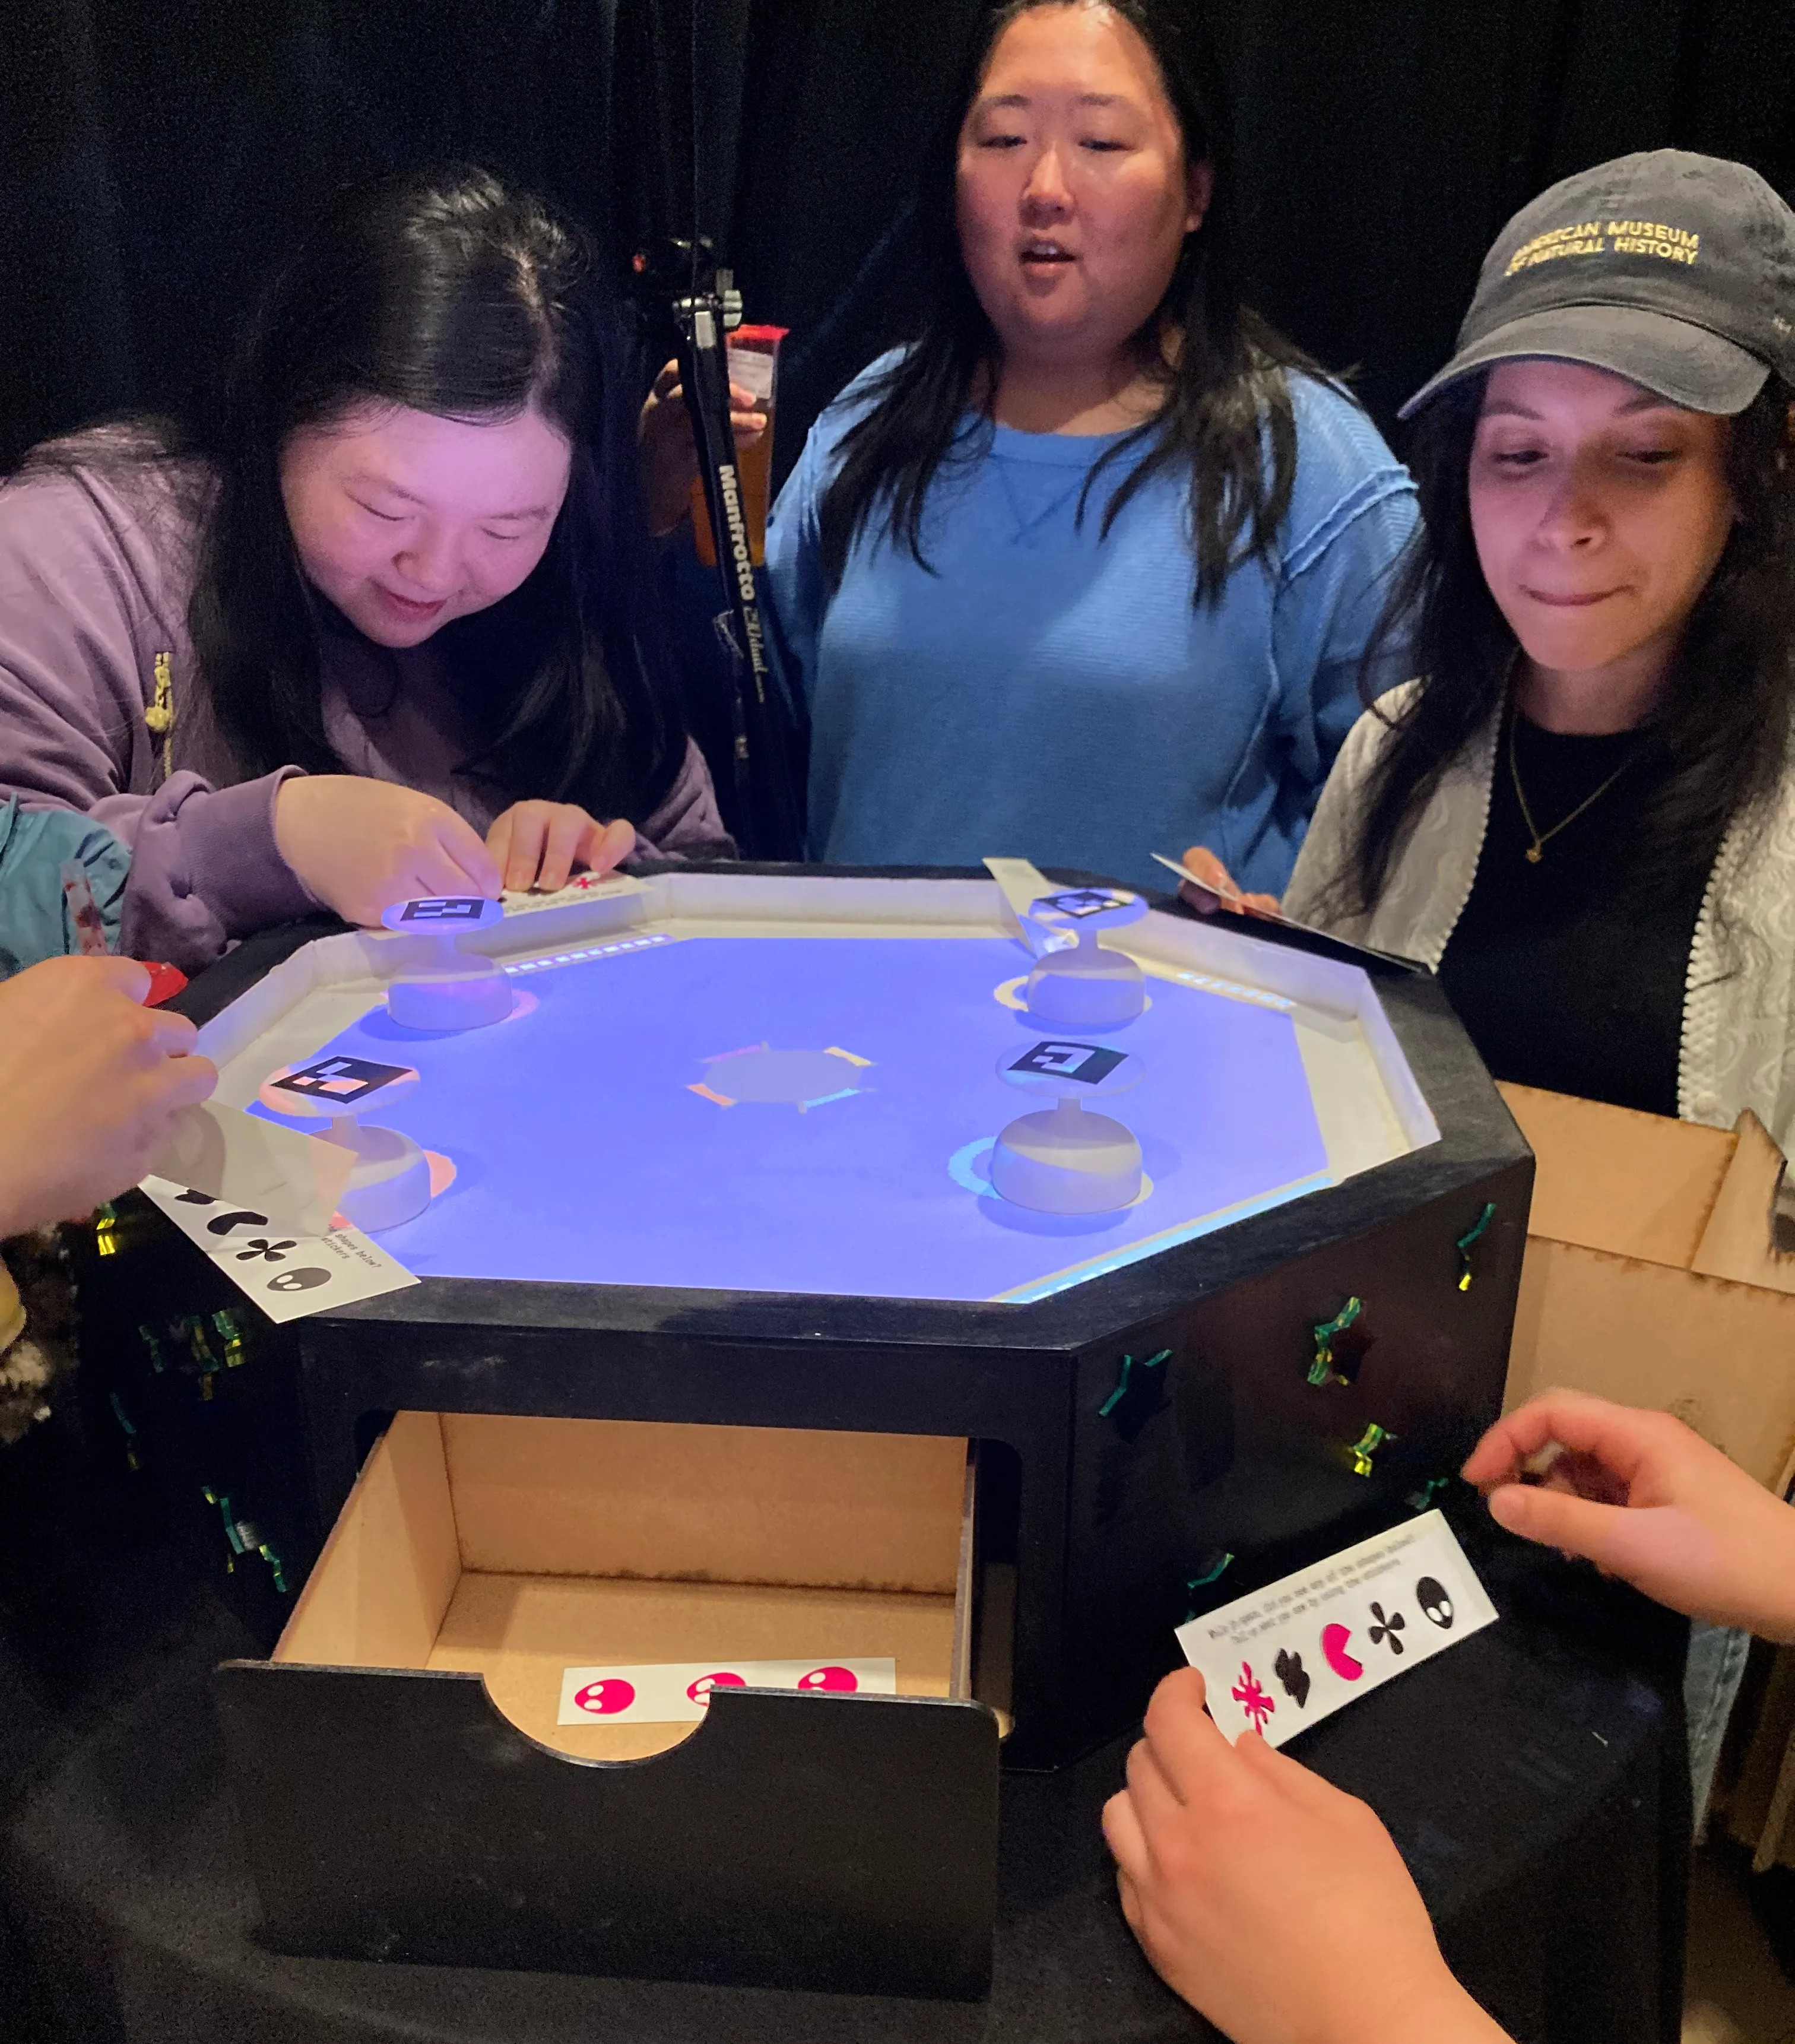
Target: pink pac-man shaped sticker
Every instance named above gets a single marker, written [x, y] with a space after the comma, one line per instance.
[1333, 1649]
[700, 1692]
[828, 1678]
[605, 1699]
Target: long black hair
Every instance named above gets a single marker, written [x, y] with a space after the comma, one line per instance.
[1723, 725]
[443, 290]
[1227, 409]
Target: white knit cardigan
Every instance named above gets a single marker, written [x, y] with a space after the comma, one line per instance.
[1738, 1045]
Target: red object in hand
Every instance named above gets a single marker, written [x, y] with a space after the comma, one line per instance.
[165, 982]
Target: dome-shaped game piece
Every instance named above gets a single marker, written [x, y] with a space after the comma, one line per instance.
[389, 1181]
[1067, 1160]
[1082, 986]
[455, 989]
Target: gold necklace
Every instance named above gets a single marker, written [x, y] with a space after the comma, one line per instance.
[1536, 851]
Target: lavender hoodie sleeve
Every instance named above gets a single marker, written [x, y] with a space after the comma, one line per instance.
[688, 824]
[93, 590]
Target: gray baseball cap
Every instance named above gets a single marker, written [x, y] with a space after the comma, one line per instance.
[1675, 271]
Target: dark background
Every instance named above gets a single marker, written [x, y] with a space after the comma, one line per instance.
[153, 153]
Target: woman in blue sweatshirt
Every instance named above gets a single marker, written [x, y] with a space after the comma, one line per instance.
[1086, 570]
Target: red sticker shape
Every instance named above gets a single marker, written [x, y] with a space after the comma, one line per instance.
[605, 1699]
[700, 1692]
[828, 1678]
[1333, 1648]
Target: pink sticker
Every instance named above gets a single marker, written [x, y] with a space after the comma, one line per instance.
[604, 1699]
[828, 1678]
[1251, 1698]
[700, 1691]
[1334, 1646]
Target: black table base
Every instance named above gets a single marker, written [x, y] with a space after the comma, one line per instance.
[1536, 1779]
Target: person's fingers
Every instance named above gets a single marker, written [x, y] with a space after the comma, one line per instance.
[1200, 898]
[1213, 888]
[467, 849]
[524, 855]
[666, 384]
[193, 1079]
[1261, 904]
[1203, 865]
[124, 976]
[1620, 1437]
[570, 830]
[1126, 1840]
[1157, 1800]
[748, 427]
[1191, 1751]
[612, 845]
[169, 1034]
[498, 841]
[183, 1082]
[1627, 1543]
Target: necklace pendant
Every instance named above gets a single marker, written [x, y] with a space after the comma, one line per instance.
[1534, 854]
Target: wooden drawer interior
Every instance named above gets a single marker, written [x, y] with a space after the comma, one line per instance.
[517, 1547]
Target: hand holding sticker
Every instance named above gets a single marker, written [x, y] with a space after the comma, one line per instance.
[1259, 1892]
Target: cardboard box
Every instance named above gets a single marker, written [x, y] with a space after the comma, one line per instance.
[408, 1793]
[1651, 1275]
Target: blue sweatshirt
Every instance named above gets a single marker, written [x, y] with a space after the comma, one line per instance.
[1047, 694]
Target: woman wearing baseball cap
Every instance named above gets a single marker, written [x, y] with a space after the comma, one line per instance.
[1581, 811]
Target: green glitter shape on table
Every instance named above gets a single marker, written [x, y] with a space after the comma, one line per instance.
[1468, 1241]
[1120, 1392]
[1321, 1371]
[1366, 1445]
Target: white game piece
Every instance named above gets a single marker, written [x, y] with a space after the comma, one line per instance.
[1083, 986]
[389, 1181]
[1068, 1160]
[457, 989]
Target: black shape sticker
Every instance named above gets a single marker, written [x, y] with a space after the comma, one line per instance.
[223, 1224]
[447, 908]
[1436, 1602]
[299, 1281]
[341, 1082]
[1289, 1669]
[1384, 1632]
[263, 1250]
[194, 1199]
[1088, 1063]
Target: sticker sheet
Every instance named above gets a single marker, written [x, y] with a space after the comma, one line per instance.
[679, 1692]
[1299, 1649]
[288, 1275]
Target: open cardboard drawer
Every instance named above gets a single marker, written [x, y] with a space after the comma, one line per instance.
[408, 1793]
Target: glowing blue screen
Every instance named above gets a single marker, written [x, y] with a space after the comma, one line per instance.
[582, 1152]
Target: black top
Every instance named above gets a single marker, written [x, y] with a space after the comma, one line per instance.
[1567, 974]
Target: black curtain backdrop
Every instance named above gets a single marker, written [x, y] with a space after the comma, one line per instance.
[156, 151]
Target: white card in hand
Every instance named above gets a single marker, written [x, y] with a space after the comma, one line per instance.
[1299, 1649]
[295, 1179]
[288, 1275]
[679, 1692]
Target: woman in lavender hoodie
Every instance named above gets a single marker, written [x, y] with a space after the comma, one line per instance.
[377, 624]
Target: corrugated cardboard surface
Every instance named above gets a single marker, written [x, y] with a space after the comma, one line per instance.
[1720, 1356]
[602, 1497]
[1638, 1185]
[1651, 1276]
[514, 1548]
